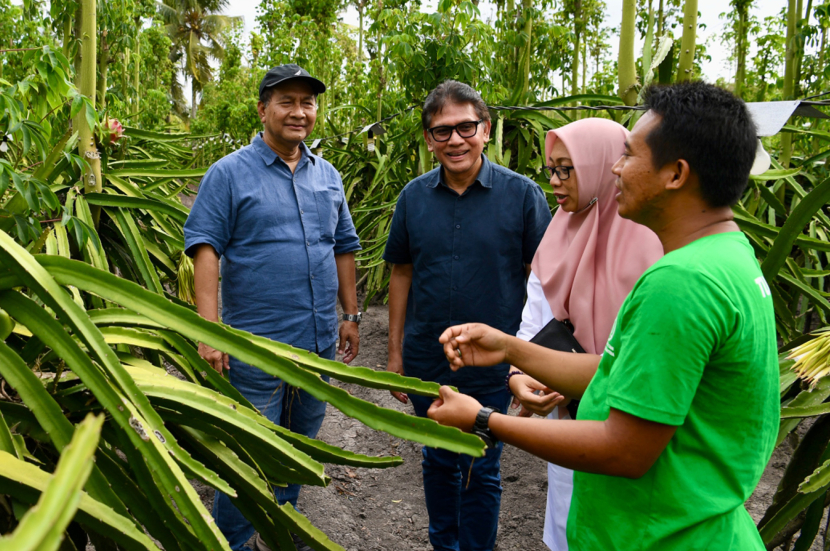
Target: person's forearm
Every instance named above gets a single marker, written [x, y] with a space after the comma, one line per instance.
[564, 372]
[206, 282]
[399, 283]
[587, 446]
[346, 280]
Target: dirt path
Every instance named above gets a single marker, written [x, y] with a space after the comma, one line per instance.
[373, 510]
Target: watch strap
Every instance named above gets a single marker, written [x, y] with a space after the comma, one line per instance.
[352, 317]
[481, 426]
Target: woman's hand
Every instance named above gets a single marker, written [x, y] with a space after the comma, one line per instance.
[525, 388]
[473, 344]
[454, 410]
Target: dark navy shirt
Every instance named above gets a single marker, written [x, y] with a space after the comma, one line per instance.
[277, 234]
[468, 254]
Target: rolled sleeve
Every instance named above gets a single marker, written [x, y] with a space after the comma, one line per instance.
[397, 245]
[212, 218]
[536, 220]
[345, 237]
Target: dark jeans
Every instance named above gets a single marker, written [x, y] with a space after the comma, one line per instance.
[463, 514]
[284, 405]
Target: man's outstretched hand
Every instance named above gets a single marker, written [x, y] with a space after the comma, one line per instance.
[454, 409]
[217, 360]
[473, 344]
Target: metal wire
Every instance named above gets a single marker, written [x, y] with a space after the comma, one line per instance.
[809, 101]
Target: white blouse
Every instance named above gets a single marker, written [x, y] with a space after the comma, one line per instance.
[535, 315]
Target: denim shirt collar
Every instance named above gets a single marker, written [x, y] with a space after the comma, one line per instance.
[269, 156]
[484, 175]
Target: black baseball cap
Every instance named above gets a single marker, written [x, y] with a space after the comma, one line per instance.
[289, 71]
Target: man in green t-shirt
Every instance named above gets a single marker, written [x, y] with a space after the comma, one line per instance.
[679, 415]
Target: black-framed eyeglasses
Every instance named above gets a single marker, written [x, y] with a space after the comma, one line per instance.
[562, 172]
[465, 130]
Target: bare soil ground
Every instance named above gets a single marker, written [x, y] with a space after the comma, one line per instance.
[374, 510]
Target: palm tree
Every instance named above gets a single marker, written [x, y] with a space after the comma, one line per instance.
[195, 28]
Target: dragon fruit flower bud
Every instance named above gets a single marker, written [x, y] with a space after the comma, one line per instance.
[112, 131]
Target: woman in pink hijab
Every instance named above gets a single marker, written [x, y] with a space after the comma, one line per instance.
[587, 263]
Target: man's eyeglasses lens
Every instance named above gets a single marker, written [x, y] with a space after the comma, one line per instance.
[465, 130]
[562, 172]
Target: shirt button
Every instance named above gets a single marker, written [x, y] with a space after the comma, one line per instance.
[315, 310]
[458, 226]
[302, 211]
[312, 276]
[308, 243]
[456, 257]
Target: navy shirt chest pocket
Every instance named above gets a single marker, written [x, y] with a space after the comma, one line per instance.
[328, 203]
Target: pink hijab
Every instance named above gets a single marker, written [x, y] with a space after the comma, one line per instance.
[589, 260]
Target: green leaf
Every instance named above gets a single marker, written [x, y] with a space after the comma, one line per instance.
[42, 527]
[247, 480]
[191, 325]
[122, 201]
[775, 174]
[793, 227]
[23, 481]
[47, 412]
[147, 425]
[90, 115]
[749, 223]
[77, 103]
[135, 242]
[158, 173]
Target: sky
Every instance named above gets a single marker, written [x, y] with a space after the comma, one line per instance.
[709, 12]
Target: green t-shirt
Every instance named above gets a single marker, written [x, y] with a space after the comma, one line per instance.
[693, 346]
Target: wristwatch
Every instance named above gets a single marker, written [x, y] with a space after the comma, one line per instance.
[353, 317]
[481, 427]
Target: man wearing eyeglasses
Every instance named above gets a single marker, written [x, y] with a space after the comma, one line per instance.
[461, 242]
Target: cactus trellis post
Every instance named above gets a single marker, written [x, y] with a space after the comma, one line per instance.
[626, 70]
[789, 79]
[685, 66]
[86, 82]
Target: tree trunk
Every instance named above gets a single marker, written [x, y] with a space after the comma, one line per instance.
[380, 65]
[125, 63]
[511, 15]
[360, 33]
[660, 19]
[577, 47]
[685, 66]
[625, 62]
[86, 85]
[194, 99]
[103, 64]
[789, 78]
[800, 52]
[137, 71]
[524, 59]
[584, 63]
[741, 36]
[67, 36]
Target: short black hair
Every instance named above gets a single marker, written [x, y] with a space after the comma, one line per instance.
[711, 129]
[452, 91]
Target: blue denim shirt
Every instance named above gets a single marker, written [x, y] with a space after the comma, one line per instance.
[277, 234]
[468, 254]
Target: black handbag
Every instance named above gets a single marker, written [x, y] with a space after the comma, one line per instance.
[559, 335]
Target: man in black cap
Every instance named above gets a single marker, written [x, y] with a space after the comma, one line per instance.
[277, 216]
